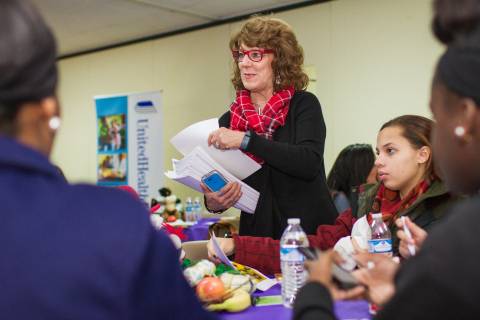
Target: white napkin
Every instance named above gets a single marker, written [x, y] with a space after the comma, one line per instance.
[361, 232]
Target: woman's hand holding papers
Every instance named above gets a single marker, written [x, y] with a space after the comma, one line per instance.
[226, 244]
[225, 139]
[224, 198]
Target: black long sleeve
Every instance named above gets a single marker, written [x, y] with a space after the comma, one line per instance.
[443, 280]
[292, 180]
[440, 282]
[313, 303]
[297, 148]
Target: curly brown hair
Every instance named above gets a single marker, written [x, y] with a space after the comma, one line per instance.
[270, 33]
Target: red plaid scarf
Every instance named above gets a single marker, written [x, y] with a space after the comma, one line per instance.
[244, 117]
[388, 202]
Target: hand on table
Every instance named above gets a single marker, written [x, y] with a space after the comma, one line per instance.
[418, 237]
[225, 139]
[321, 271]
[378, 277]
[226, 244]
[224, 198]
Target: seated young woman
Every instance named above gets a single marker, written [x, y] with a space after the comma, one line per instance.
[354, 166]
[408, 186]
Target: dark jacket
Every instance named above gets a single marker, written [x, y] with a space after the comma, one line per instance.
[440, 282]
[292, 181]
[424, 211]
[81, 252]
[263, 254]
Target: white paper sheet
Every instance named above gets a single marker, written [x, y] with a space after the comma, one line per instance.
[262, 285]
[220, 254]
[233, 160]
[197, 163]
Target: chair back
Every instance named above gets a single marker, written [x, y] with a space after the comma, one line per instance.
[224, 228]
[195, 250]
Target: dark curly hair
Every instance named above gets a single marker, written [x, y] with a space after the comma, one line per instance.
[269, 33]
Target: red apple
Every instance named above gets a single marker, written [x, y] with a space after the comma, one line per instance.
[171, 219]
[210, 288]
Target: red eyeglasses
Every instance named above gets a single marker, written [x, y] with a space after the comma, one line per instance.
[254, 55]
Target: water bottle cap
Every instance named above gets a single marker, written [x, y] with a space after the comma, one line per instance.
[293, 221]
[376, 215]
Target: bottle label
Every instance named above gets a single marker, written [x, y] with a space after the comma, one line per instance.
[291, 255]
[189, 214]
[380, 245]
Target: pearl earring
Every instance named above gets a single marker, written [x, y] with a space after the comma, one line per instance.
[54, 123]
[459, 131]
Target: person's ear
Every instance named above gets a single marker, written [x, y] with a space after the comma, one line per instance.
[466, 117]
[424, 154]
[49, 106]
[50, 112]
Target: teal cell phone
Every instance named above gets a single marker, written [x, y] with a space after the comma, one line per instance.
[214, 180]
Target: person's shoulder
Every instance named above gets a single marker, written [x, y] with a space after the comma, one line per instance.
[108, 202]
[466, 212]
[462, 222]
[304, 96]
[369, 189]
[342, 202]
[305, 102]
[224, 120]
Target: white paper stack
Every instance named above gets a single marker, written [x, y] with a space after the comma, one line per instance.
[200, 159]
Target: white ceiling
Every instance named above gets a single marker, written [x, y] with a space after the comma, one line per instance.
[88, 25]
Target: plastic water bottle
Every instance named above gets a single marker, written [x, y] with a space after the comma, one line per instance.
[381, 241]
[293, 273]
[189, 213]
[197, 205]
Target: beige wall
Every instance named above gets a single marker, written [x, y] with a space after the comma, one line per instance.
[373, 59]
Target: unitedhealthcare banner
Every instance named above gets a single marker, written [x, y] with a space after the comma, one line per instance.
[130, 142]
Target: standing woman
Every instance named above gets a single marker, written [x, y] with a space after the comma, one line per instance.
[279, 125]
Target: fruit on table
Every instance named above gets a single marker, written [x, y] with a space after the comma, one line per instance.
[171, 219]
[238, 280]
[210, 288]
[239, 301]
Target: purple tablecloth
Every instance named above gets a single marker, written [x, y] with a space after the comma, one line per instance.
[343, 309]
[199, 231]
